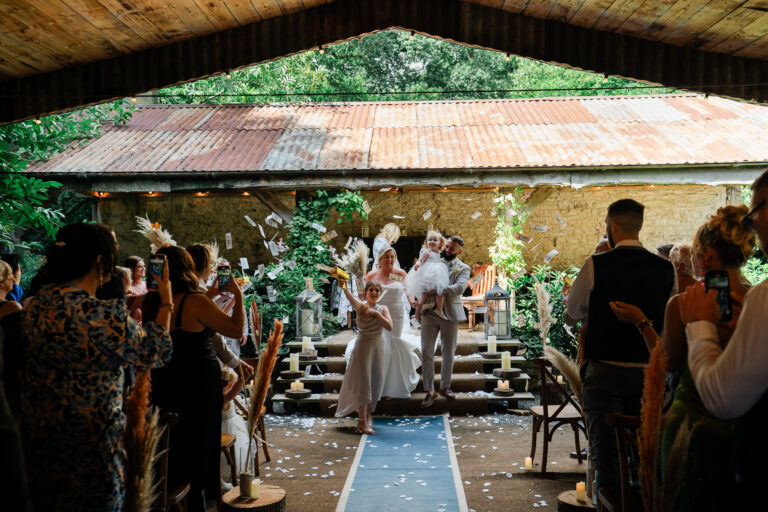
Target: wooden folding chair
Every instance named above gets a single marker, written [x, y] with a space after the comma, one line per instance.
[566, 412]
[475, 303]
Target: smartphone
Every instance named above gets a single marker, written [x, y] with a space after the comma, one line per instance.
[156, 268]
[718, 280]
[225, 276]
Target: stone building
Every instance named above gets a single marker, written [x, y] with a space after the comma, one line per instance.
[200, 169]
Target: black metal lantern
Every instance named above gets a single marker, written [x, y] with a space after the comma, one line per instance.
[498, 311]
[309, 315]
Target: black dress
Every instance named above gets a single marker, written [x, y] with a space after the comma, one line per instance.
[190, 386]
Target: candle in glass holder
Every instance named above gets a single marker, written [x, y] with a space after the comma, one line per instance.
[294, 362]
[255, 490]
[501, 322]
[506, 360]
[528, 464]
[491, 344]
[581, 491]
[560, 379]
[307, 322]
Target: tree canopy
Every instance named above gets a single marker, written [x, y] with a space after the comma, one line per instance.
[391, 65]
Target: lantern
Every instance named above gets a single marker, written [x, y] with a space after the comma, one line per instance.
[498, 308]
[309, 310]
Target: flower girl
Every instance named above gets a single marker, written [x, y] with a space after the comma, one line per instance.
[429, 273]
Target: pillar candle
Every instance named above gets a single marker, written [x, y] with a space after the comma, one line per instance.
[491, 344]
[306, 343]
[500, 384]
[501, 322]
[294, 362]
[255, 490]
[506, 384]
[506, 360]
[560, 379]
[581, 491]
[299, 385]
[528, 464]
[307, 324]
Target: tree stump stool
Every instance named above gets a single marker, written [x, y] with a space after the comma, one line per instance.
[272, 499]
[567, 502]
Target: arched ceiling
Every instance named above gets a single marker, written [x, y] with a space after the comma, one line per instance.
[61, 54]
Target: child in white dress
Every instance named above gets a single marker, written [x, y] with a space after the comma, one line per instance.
[429, 273]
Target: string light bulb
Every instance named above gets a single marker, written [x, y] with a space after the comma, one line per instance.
[246, 193]
[508, 57]
[38, 121]
[321, 50]
[133, 99]
[412, 35]
[150, 193]
[605, 79]
[229, 75]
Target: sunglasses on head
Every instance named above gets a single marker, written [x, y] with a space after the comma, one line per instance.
[747, 221]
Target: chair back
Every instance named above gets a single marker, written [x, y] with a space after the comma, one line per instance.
[167, 420]
[626, 427]
[548, 384]
[481, 286]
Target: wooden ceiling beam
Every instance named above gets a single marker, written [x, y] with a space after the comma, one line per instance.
[470, 24]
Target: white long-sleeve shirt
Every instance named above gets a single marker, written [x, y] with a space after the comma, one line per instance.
[731, 381]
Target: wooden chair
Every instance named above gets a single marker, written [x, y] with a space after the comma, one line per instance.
[475, 303]
[567, 412]
[176, 498]
[626, 427]
[228, 449]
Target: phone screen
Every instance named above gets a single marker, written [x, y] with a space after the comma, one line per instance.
[718, 280]
[156, 268]
[225, 276]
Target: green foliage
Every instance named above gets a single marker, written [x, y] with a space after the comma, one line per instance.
[32, 210]
[507, 249]
[527, 315]
[756, 268]
[302, 252]
[386, 66]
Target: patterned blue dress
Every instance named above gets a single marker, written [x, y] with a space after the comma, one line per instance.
[72, 419]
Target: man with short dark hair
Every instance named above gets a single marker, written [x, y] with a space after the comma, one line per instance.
[615, 353]
[448, 327]
[733, 382]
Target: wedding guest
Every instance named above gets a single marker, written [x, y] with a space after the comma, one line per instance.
[612, 375]
[663, 250]
[138, 271]
[364, 371]
[7, 306]
[190, 384]
[72, 388]
[704, 481]
[733, 381]
[682, 260]
[16, 292]
[388, 235]
[203, 258]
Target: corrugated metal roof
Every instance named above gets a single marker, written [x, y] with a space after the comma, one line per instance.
[501, 134]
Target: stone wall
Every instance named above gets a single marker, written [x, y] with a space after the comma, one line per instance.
[672, 213]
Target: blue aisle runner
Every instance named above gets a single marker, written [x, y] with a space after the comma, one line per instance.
[409, 465]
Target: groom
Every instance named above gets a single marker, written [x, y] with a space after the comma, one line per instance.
[431, 324]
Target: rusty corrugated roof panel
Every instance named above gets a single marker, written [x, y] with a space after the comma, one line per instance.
[549, 132]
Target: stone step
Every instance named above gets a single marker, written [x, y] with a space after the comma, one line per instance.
[463, 347]
[470, 364]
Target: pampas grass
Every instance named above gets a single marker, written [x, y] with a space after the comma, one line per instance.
[567, 367]
[355, 260]
[141, 438]
[544, 309]
[157, 236]
[267, 360]
[675, 466]
[649, 434]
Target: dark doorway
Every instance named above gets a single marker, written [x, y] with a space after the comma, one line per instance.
[407, 248]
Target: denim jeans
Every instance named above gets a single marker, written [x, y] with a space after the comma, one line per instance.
[608, 388]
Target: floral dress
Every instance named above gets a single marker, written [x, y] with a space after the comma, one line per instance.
[72, 419]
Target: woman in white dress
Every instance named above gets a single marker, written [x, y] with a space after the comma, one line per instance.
[400, 348]
[361, 387]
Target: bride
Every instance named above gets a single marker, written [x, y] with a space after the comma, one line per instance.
[400, 346]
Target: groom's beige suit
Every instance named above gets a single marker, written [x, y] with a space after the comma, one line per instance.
[431, 324]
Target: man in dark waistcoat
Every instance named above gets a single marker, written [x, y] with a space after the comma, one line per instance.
[733, 382]
[615, 353]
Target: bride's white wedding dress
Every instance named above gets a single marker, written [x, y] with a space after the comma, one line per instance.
[400, 347]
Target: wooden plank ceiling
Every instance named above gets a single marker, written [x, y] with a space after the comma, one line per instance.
[40, 38]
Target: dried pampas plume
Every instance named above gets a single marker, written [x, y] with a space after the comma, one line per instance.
[567, 367]
[544, 309]
[267, 360]
[649, 435]
[215, 253]
[157, 236]
[355, 260]
[141, 439]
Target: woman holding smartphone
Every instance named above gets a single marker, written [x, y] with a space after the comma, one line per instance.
[190, 385]
[721, 244]
[72, 387]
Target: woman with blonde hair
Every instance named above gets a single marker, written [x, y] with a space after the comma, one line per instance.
[6, 285]
[705, 483]
[682, 259]
[388, 235]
